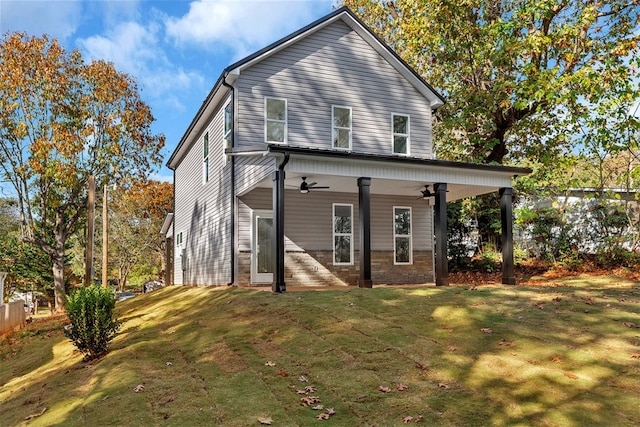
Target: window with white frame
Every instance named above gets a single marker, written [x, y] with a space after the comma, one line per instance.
[205, 159]
[400, 133]
[402, 241]
[228, 127]
[341, 128]
[179, 239]
[275, 120]
[342, 234]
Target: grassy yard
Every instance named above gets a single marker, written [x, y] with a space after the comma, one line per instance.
[565, 353]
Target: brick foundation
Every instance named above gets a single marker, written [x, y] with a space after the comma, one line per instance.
[315, 268]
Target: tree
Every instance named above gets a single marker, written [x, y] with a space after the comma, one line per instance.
[61, 121]
[515, 74]
[135, 219]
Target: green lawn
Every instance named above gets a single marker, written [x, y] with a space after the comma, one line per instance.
[565, 353]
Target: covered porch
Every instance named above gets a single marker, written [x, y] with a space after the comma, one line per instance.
[430, 183]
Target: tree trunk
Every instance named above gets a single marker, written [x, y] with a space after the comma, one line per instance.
[58, 263]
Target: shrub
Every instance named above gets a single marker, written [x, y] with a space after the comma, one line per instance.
[93, 325]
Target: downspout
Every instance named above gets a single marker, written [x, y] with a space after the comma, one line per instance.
[284, 162]
[233, 182]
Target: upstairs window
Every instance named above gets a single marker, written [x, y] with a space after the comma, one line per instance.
[342, 234]
[275, 120]
[227, 138]
[400, 136]
[205, 161]
[402, 241]
[341, 127]
[179, 239]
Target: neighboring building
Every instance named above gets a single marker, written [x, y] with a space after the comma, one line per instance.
[330, 104]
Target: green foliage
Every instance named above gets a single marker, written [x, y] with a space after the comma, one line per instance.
[93, 324]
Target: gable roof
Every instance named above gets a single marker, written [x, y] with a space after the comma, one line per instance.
[221, 88]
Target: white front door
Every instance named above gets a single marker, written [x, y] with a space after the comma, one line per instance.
[262, 247]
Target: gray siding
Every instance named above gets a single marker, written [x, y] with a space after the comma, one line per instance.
[333, 66]
[203, 211]
[308, 219]
[252, 169]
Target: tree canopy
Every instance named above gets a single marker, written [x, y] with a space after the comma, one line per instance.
[61, 121]
[518, 75]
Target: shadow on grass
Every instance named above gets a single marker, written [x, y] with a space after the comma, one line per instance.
[558, 355]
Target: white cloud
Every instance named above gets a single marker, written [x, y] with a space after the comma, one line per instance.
[135, 49]
[59, 19]
[243, 25]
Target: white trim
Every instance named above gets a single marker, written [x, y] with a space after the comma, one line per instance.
[333, 127]
[179, 239]
[404, 236]
[406, 135]
[285, 121]
[258, 278]
[334, 234]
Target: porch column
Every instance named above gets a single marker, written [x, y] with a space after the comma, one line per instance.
[364, 207]
[442, 266]
[506, 217]
[278, 284]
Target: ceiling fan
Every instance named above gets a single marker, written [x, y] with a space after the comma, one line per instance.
[426, 193]
[306, 187]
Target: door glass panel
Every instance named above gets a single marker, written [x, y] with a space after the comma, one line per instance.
[264, 246]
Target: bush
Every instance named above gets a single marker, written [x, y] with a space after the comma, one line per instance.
[90, 310]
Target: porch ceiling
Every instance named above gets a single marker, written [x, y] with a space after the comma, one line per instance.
[389, 175]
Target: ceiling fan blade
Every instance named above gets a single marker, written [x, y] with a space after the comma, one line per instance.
[311, 184]
[317, 188]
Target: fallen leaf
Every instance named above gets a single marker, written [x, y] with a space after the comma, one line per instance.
[407, 420]
[486, 330]
[384, 389]
[318, 408]
[32, 416]
[303, 379]
[557, 299]
[269, 364]
[630, 325]
[452, 348]
[282, 374]
[402, 387]
[309, 400]
[443, 385]
[301, 392]
[506, 344]
[138, 388]
[169, 364]
[421, 366]
[419, 419]
[635, 355]
[323, 416]
[331, 411]
[265, 420]
[310, 389]
[570, 375]
[556, 360]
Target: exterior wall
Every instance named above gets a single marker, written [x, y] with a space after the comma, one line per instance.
[333, 66]
[203, 211]
[309, 238]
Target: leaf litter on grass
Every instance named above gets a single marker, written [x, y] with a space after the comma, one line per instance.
[396, 336]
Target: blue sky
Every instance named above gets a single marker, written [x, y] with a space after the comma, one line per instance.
[174, 49]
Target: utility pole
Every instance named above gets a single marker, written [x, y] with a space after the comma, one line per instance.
[90, 226]
[105, 240]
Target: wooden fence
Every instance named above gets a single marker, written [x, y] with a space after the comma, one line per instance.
[12, 317]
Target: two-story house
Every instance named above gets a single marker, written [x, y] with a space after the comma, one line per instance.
[310, 162]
